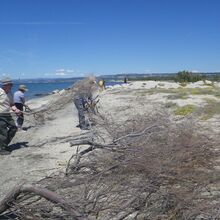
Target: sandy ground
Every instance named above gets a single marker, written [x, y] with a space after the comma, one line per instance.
[44, 149]
[28, 162]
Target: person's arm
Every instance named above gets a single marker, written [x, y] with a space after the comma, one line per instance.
[14, 109]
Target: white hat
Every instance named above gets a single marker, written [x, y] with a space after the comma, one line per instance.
[6, 81]
[23, 88]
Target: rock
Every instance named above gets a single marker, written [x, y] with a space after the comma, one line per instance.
[132, 216]
[55, 91]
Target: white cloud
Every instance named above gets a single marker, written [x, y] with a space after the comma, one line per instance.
[60, 70]
[69, 71]
[63, 72]
[195, 71]
[60, 74]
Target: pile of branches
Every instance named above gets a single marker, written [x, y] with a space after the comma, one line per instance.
[144, 168]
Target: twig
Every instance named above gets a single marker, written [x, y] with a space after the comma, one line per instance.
[134, 134]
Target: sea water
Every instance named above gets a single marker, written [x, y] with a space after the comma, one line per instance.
[38, 89]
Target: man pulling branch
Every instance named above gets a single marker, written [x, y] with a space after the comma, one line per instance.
[8, 128]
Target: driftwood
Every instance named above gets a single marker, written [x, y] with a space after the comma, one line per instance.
[45, 193]
[94, 144]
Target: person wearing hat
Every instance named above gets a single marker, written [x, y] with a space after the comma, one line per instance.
[19, 101]
[8, 128]
[83, 92]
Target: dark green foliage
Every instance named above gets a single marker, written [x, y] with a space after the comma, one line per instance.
[186, 76]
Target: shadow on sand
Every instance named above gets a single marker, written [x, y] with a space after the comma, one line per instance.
[26, 128]
[8, 216]
[17, 145]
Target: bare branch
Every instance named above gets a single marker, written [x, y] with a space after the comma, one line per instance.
[45, 193]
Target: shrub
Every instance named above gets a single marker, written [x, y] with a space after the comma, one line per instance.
[186, 76]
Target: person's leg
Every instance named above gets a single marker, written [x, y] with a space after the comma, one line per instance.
[79, 105]
[20, 118]
[3, 133]
[12, 129]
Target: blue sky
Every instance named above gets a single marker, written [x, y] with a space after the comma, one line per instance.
[67, 38]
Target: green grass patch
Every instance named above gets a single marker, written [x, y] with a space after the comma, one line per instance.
[210, 109]
[180, 93]
[177, 96]
[185, 110]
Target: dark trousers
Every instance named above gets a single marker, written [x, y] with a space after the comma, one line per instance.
[7, 130]
[20, 118]
[79, 103]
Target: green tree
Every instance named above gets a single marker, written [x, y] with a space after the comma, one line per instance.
[186, 76]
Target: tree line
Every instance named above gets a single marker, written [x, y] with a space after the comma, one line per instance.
[181, 76]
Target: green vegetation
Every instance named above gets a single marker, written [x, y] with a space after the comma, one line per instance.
[177, 96]
[204, 91]
[182, 76]
[185, 110]
[210, 109]
[186, 76]
[182, 93]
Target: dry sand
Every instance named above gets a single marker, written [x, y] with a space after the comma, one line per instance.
[30, 162]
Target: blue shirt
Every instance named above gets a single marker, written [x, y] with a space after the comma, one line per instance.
[19, 97]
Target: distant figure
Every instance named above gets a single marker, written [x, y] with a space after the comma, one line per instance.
[82, 98]
[101, 84]
[8, 128]
[19, 101]
[125, 80]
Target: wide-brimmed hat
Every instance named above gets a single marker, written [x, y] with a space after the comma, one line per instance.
[6, 81]
[23, 88]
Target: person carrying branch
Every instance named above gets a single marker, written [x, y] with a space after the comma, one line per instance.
[82, 98]
[19, 101]
[8, 128]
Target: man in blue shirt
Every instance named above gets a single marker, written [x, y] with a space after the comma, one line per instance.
[19, 101]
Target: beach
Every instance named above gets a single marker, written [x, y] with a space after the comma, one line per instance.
[44, 149]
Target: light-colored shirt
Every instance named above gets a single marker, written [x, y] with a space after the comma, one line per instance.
[19, 97]
[6, 101]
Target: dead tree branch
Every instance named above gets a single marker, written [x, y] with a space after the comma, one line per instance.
[45, 193]
[93, 145]
[132, 135]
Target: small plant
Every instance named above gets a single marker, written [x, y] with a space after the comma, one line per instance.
[161, 84]
[177, 96]
[185, 110]
[183, 84]
[210, 109]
